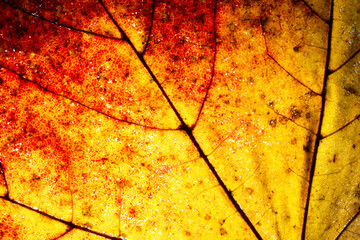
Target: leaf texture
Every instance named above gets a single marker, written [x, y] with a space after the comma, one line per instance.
[179, 119]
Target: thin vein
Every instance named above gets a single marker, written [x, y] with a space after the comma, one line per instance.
[304, 178]
[292, 76]
[291, 120]
[151, 26]
[348, 224]
[223, 140]
[269, 55]
[69, 224]
[247, 179]
[318, 135]
[144, 63]
[84, 105]
[2, 171]
[344, 63]
[343, 127]
[59, 24]
[212, 70]
[185, 127]
[337, 172]
[69, 229]
[313, 11]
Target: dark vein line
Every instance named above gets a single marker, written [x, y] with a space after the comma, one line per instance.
[348, 224]
[69, 224]
[212, 70]
[2, 171]
[318, 135]
[346, 125]
[84, 105]
[185, 127]
[264, 33]
[297, 80]
[313, 11]
[151, 26]
[344, 63]
[144, 63]
[59, 24]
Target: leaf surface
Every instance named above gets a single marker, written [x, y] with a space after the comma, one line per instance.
[179, 119]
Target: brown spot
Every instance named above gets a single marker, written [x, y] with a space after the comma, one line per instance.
[223, 231]
[88, 225]
[350, 90]
[35, 177]
[207, 217]
[187, 233]
[295, 113]
[296, 48]
[249, 190]
[236, 178]
[273, 122]
[353, 146]
[293, 141]
[307, 147]
[86, 211]
[251, 81]
[308, 115]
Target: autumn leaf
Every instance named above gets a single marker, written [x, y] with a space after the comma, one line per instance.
[179, 119]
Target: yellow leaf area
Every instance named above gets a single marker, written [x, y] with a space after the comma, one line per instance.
[179, 119]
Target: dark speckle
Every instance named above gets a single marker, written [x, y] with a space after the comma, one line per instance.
[296, 48]
[223, 231]
[350, 90]
[306, 148]
[357, 191]
[273, 122]
[187, 233]
[353, 146]
[295, 113]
